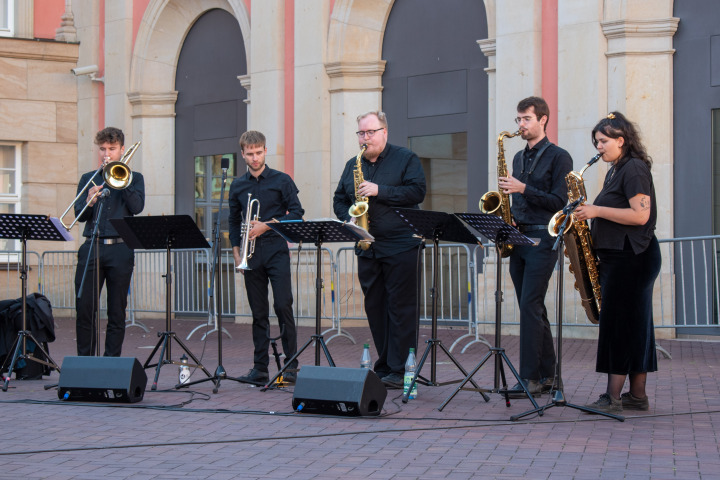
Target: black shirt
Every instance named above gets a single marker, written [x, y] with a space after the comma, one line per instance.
[401, 183]
[544, 179]
[623, 181]
[278, 197]
[121, 203]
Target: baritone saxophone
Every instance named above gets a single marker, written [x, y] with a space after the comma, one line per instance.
[579, 247]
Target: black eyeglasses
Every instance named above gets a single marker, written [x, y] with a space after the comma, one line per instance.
[369, 133]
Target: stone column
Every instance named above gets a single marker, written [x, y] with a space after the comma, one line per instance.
[640, 73]
[267, 53]
[355, 88]
[488, 48]
[118, 53]
[312, 128]
[582, 86]
[153, 123]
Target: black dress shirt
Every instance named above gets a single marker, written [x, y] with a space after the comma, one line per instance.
[544, 179]
[401, 183]
[278, 197]
[121, 203]
[623, 181]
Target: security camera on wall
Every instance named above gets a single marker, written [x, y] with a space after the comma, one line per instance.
[89, 70]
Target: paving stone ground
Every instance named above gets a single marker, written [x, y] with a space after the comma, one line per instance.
[241, 432]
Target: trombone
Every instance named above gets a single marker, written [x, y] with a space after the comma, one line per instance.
[116, 175]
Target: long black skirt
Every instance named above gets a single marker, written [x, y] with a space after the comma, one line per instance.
[626, 343]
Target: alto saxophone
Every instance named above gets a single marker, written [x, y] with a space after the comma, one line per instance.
[496, 202]
[359, 209]
[579, 247]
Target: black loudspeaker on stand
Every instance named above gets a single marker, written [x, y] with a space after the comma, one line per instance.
[102, 379]
[338, 391]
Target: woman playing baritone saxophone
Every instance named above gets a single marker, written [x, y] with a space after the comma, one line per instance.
[624, 216]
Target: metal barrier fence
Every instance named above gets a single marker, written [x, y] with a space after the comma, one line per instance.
[687, 293]
[191, 270]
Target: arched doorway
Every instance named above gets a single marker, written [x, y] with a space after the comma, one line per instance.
[435, 93]
[210, 117]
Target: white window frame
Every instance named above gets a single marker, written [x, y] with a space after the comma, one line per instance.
[8, 8]
[14, 198]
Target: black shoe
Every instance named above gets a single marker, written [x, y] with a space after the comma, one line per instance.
[289, 377]
[534, 387]
[393, 380]
[382, 375]
[255, 377]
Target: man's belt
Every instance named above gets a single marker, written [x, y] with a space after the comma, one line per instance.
[111, 241]
[531, 228]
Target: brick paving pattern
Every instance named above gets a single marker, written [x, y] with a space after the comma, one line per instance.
[241, 432]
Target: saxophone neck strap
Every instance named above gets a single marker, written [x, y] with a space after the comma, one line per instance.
[534, 163]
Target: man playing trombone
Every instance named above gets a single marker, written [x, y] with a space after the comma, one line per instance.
[261, 195]
[116, 260]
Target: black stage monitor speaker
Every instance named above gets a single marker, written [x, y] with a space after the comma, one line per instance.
[102, 379]
[338, 391]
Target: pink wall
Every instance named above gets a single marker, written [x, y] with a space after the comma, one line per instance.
[550, 63]
[48, 14]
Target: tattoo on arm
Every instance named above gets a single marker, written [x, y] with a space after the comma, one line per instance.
[645, 203]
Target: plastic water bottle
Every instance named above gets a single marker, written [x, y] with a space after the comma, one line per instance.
[410, 366]
[365, 361]
[184, 374]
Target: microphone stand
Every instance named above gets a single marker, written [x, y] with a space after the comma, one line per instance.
[558, 396]
[94, 243]
[220, 373]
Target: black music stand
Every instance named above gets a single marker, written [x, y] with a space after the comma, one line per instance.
[168, 232]
[558, 396]
[317, 232]
[28, 227]
[436, 226]
[497, 231]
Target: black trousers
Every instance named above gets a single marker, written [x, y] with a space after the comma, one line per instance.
[531, 268]
[271, 261]
[117, 262]
[391, 292]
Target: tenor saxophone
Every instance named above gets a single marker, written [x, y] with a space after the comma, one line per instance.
[496, 202]
[579, 247]
[359, 209]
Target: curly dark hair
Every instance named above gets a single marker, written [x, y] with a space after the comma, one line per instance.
[616, 125]
[110, 135]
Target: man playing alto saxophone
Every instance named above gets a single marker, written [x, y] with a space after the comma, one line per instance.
[278, 200]
[538, 191]
[387, 270]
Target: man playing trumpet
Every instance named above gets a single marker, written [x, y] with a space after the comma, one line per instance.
[269, 258]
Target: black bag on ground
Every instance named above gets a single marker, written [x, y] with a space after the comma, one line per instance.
[40, 323]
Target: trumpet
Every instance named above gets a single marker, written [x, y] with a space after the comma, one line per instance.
[116, 175]
[248, 246]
